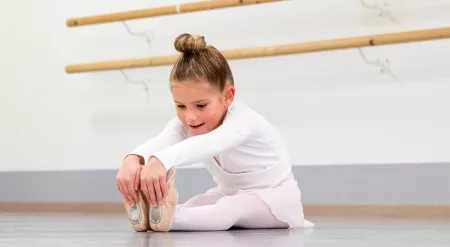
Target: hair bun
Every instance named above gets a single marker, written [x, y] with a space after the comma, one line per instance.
[187, 43]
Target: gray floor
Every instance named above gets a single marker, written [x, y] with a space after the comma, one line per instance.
[113, 230]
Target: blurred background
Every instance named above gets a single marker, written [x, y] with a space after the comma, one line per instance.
[357, 135]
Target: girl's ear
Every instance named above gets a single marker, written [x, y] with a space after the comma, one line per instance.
[228, 94]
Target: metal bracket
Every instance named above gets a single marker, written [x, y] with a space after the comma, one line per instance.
[149, 35]
[145, 83]
[384, 64]
[381, 9]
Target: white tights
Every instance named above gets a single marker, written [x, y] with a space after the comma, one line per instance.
[215, 212]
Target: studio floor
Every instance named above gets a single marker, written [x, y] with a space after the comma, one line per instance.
[25, 229]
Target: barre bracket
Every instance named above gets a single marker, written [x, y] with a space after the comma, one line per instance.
[384, 64]
[144, 82]
[149, 35]
[381, 8]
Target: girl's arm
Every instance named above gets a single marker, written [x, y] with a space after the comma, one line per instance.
[173, 132]
[197, 148]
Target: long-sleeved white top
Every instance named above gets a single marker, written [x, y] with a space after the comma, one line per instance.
[245, 152]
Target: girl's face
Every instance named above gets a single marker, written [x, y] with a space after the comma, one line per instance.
[200, 106]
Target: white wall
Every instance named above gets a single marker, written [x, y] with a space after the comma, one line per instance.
[331, 106]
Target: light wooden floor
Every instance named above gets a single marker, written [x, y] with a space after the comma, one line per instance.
[30, 229]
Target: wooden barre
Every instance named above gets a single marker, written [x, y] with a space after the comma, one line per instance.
[162, 11]
[356, 42]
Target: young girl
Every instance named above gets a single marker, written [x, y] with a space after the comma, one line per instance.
[242, 151]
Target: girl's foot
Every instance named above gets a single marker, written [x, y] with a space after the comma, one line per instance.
[138, 215]
[161, 216]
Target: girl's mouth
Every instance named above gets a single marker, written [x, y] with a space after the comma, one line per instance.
[196, 126]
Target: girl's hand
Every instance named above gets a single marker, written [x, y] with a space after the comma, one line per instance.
[153, 181]
[128, 178]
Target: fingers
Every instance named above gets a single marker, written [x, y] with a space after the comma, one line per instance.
[162, 181]
[119, 187]
[151, 193]
[137, 179]
[127, 190]
[159, 197]
[124, 192]
[131, 191]
[135, 186]
[118, 184]
[153, 184]
[144, 189]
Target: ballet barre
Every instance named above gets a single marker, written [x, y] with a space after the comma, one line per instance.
[316, 46]
[162, 11]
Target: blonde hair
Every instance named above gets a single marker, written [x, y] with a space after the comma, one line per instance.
[199, 61]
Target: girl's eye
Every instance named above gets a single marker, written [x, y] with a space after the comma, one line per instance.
[201, 106]
[181, 106]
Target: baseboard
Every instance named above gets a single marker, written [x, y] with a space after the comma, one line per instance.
[68, 207]
[310, 210]
[388, 211]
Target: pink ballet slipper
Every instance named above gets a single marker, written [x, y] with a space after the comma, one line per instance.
[161, 216]
[138, 215]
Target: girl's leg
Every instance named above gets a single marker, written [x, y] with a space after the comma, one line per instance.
[202, 200]
[246, 211]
